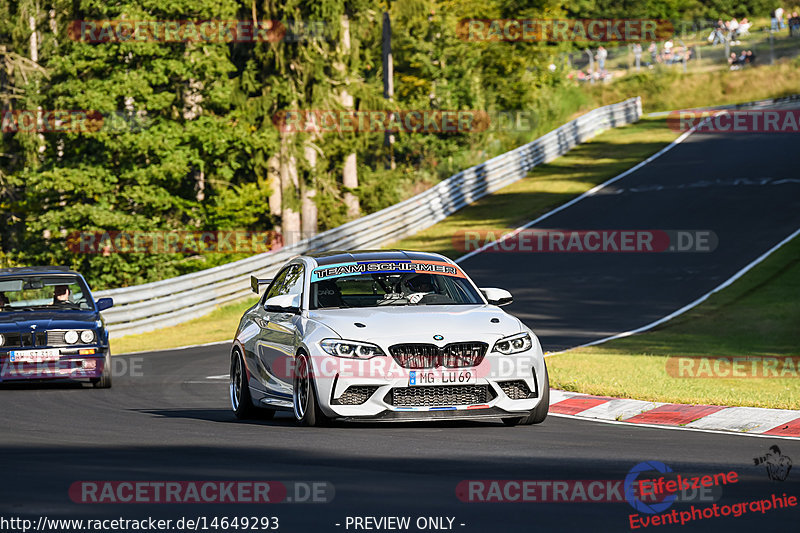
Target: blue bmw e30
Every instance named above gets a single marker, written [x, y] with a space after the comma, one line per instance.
[51, 327]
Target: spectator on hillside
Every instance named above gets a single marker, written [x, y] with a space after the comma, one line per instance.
[776, 20]
[653, 49]
[637, 54]
[601, 56]
[794, 24]
[744, 27]
[718, 33]
[733, 27]
[750, 57]
[667, 55]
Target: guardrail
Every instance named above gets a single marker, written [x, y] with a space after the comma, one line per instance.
[143, 308]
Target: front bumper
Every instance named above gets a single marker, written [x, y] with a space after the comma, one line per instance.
[381, 390]
[71, 364]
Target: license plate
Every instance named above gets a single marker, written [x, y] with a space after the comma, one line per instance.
[34, 356]
[442, 377]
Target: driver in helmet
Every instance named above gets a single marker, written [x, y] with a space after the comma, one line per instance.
[419, 285]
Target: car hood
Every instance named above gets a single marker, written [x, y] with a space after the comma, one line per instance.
[46, 320]
[419, 324]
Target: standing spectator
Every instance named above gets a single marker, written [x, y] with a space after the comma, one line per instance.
[733, 26]
[637, 54]
[653, 49]
[667, 55]
[777, 20]
[719, 33]
[601, 56]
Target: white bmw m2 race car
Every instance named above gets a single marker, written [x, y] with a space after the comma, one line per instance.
[384, 335]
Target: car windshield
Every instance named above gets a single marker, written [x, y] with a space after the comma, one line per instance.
[339, 288]
[51, 292]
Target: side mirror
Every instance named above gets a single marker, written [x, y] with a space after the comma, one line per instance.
[497, 297]
[104, 303]
[283, 303]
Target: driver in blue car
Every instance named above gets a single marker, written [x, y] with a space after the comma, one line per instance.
[61, 295]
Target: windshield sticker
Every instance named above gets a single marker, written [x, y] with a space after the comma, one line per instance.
[385, 267]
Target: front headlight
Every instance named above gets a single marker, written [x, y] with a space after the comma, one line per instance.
[351, 349]
[71, 337]
[513, 344]
[2, 340]
[87, 336]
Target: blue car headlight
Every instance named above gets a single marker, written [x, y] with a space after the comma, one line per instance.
[514, 344]
[350, 349]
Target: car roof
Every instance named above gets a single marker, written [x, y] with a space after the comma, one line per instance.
[340, 256]
[37, 270]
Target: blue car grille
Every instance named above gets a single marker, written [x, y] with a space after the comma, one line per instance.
[25, 340]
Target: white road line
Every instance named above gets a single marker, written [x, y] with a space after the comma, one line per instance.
[588, 193]
[689, 306]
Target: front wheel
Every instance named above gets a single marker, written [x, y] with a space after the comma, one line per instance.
[539, 412]
[306, 407]
[104, 381]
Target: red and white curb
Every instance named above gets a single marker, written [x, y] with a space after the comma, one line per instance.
[745, 420]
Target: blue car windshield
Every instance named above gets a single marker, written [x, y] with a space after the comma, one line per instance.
[43, 292]
[377, 290]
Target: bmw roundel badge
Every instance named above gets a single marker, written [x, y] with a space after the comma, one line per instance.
[438, 338]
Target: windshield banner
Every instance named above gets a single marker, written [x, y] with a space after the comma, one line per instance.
[339, 270]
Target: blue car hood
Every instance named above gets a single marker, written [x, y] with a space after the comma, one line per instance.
[46, 320]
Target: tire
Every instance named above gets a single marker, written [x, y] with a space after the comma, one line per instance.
[304, 395]
[104, 381]
[241, 401]
[539, 413]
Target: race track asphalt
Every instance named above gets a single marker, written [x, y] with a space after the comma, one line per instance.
[167, 417]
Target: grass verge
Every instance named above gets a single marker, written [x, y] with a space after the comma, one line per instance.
[668, 89]
[219, 325]
[757, 316]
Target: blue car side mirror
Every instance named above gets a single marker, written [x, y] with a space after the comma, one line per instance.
[104, 303]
